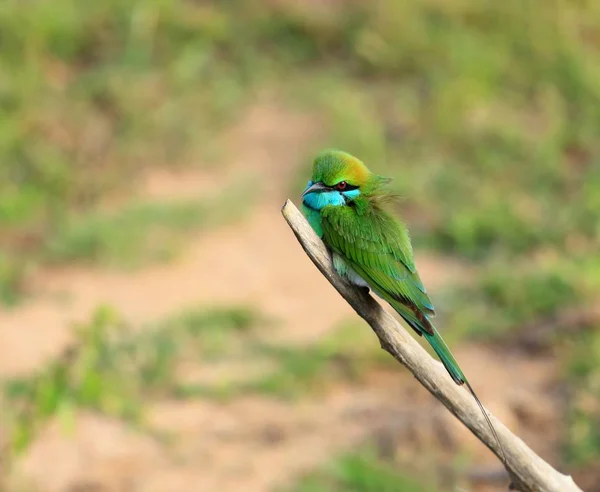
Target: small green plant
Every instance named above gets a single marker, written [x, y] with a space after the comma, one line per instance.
[11, 280]
[113, 368]
[582, 447]
[360, 472]
[502, 299]
[137, 232]
[87, 375]
[131, 236]
[345, 355]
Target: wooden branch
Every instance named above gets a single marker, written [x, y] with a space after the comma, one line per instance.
[528, 472]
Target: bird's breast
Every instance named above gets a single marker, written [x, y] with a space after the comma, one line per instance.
[345, 270]
[314, 219]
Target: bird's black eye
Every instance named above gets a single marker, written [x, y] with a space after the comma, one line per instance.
[341, 185]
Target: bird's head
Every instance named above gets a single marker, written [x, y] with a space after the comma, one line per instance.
[338, 179]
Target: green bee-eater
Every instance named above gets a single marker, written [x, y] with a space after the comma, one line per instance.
[345, 204]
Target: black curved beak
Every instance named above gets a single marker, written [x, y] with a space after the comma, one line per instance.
[315, 188]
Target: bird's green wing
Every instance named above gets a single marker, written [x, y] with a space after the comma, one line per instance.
[378, 248]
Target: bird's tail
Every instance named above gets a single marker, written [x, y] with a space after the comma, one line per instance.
[423, 326]
[443, 352]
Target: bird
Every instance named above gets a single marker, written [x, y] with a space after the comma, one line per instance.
[347, 206]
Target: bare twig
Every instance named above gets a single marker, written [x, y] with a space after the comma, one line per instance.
[529, 472]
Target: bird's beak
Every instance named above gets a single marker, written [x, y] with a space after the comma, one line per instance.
[315, 188]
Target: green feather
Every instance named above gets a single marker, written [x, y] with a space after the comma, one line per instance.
[379, 250]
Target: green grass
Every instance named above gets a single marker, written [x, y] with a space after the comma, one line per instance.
[502, 96]
[361, 472]
[294, 371]
[582, 367]
[489, 108]
[138, 232]
[114, 368]
[133, 235]
[12, 274]
[504, 300]
[494, 118]
[511, 205]
[118, 239]
[92, 95]
[482, 91]
[346, 355]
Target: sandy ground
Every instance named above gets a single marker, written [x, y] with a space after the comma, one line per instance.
[250, 444]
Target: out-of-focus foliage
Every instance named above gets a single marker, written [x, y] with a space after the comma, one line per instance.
[583, 434]
[506, 299]
[486, 113]
[503, 96]
[113, 369]
[361, 472]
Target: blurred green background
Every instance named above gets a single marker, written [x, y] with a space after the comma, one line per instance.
[147, 279]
